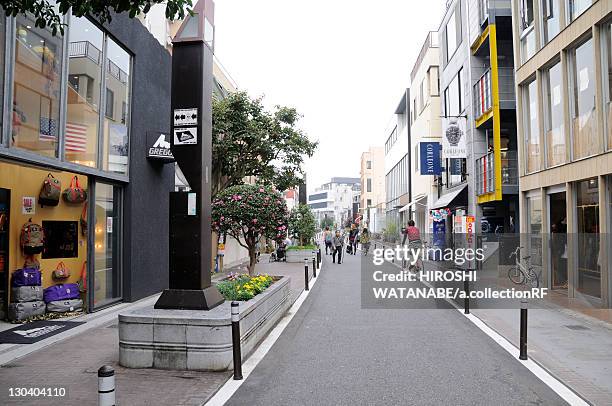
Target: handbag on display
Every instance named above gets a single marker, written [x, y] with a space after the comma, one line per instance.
[50, 192]
[65, 291]
[24, 310]
[27, 294]
[61, 272]
[64, 306]
[31, 262]
[74, 193]
[83, 220]
[26, 277]
[83, 279]
[32, 238]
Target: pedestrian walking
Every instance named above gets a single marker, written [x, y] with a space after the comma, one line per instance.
[353, 239]
[327, 237]
[338, 244]
[364, 239]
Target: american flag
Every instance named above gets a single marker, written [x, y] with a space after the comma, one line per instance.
[76, 137]
[48, 129]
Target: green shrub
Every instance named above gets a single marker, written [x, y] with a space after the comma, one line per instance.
[243, 287]
[301, 247]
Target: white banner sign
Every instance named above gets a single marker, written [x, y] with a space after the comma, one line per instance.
[453, 137]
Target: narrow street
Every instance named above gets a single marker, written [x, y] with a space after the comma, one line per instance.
[334, 352]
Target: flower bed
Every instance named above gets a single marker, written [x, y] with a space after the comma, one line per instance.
[301, 247]
[243, 287]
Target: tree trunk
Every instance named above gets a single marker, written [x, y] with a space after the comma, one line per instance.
[252, 260]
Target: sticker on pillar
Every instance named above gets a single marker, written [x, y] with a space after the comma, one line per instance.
[185, 116]
[186, 136]
[191, 204]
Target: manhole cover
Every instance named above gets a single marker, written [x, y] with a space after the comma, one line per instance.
[576, 327]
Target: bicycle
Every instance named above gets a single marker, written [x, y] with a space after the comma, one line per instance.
[520, 274]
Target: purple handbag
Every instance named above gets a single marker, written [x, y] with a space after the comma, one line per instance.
[65, 291]
[27, 277]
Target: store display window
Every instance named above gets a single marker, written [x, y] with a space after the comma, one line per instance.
[64, 226]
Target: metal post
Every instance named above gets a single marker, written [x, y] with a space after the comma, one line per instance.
[314, 265]
[106, 386]
[466, 289]
[236, 341]
[523, 338]
[319, 257]
[306, 274]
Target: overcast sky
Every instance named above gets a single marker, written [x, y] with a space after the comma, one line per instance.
[343, 64]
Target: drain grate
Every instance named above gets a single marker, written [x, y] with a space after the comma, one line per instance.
[576, 327]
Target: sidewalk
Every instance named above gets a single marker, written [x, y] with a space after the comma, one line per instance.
[72, 361]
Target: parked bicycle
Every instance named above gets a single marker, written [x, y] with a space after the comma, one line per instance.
[523, 273]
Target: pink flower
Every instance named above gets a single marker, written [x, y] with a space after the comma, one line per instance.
[261, 190]
[254, 220]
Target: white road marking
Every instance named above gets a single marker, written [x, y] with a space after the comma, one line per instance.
[231, 386]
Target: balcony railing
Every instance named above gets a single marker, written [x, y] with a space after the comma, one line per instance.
[485, 171]
[483, 99]
[117, 72]
[84, 49]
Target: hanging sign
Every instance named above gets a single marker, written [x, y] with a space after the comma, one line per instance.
[430, 158]
[453, 137]
[159, 146]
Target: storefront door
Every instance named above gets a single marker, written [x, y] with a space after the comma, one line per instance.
[107, 281]
[557, 212]
[587, 219]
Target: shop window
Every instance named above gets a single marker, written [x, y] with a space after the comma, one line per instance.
[531, 126]
[83, 91]
[368, 164]
[554, 119]
[550, 19]
[36, 98]
[534, 224]
[452, 33]
[577, 7]
[2, 31]
[369, 185]
[107, 229]
[587, 214]
[116, 133]
[585, 141]
[607, 76]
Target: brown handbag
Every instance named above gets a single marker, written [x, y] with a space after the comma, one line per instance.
[61, 272]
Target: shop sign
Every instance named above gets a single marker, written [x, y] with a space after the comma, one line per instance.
[191, 204]
[28, 205]
[185, 117]
[430, 158]
[453, 137]
[186, 136]
[159, 147]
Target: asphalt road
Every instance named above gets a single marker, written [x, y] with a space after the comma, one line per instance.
[336, 353]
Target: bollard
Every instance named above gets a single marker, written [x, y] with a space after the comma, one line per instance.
[314, 266]
[466, 300]
[236, 341]
[306, 274]
[106, 386]
[523, 339]
[319, 257]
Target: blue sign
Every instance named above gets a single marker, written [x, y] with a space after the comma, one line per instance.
[430, 158]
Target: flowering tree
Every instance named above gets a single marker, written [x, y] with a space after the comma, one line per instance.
[302, 224]
[249, 213]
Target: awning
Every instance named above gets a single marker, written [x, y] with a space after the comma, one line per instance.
[417, 199]
[448, 198]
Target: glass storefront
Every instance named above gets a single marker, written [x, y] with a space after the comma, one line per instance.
[36, 84]
[557, 213]
[107, 269]
[587, 223]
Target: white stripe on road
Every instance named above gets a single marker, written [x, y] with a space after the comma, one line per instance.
[231, 386]
[553, 383]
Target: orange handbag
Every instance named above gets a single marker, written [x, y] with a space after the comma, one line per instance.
[61, 272]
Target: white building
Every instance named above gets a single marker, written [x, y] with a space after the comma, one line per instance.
[335, 199]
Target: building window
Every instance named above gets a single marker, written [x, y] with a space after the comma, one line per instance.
[110, 104]
[453, 103]
[369, 203]
[531, 126]
[116, 136]
[554, 129]
[534, 224]
[607, 76]
[577, 7]
[452, 32]
[369, 185]
[368, 164]
[550, 19]
[37, 81]
[587, 215]
[528, 38]
[585, 141]
[422, 95]
[416, 157]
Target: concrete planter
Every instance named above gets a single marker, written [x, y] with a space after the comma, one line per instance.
[198, 340]
[299, 255]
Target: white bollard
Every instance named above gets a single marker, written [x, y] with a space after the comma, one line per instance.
[106, 386]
